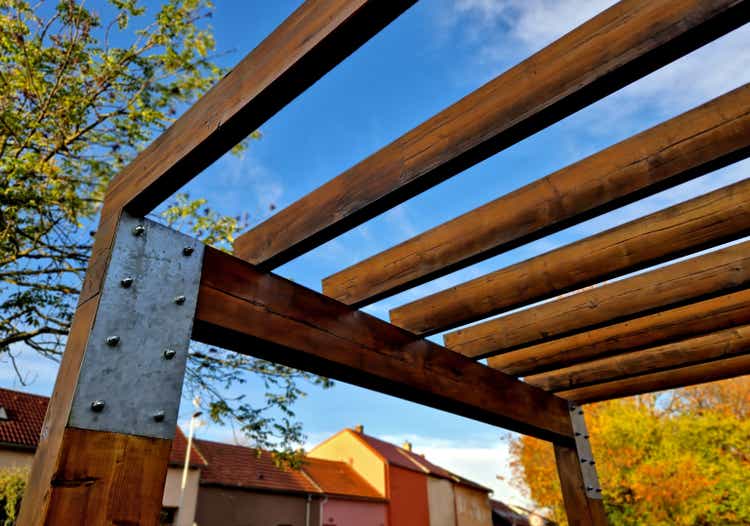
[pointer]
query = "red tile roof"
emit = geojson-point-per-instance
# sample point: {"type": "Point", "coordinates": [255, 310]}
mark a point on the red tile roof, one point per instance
{"type": "Point", "coordinates": [26, 416]}
{"type": "Point", "coordinates": [338, 478]}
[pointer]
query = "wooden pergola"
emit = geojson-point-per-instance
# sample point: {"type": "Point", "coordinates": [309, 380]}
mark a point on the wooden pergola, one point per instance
{"type": "Point", "coordinates": [104, 448]}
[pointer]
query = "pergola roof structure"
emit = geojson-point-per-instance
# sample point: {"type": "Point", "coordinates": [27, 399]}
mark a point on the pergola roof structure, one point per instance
{"type": "Point", "coordinates": [682, 323]}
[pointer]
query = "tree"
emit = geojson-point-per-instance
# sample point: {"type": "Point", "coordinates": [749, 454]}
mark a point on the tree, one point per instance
{"type": "Point", "coordinates": [679, 458]}
{"type": "Point", "coordinates": [82, 93]}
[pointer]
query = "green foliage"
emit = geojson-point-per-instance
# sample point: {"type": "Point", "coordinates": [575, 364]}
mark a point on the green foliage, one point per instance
{"type": "Point", "coordinates": [12, 485]}
{"type": "Point", "coordinates": [80, 95]}
{"type": "Point", "coordinates": [678, 459]}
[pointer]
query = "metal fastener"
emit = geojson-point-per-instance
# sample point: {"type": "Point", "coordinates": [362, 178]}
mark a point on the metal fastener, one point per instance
{"type": "Point", "coordinates": [112, 341]}
{"type": "Point", "coordinates": [138, 230]}
{"type": "Point", "coordinates": [188, 251]}
{"type": "Point", "coordinates": [169, 353]}
{"type": "Point", "coordinates": [97, 406]}
{"type": "Point", "coordinates": [159, 416]}
{"type": "Point", "coordinates": [126, 282]}
{"type": "Point", "coordinates": [598, 490]}
{"type": "Point", "coordinates": [589, 488]}
{"type": "Point", "coordinates": [583, 461]}
{"type": "Point", "coordinates": [179, 300]}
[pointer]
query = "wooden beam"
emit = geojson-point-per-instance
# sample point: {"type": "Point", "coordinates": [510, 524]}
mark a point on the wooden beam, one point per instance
{"type": "Point", "coordinates": [648, 383]}
{"type": "Point", "coordinates": [579, 508]}
{"type": "Point", "coordinates": [618, 46]}
{"type": "Point", "coordinates": [253, 312]}
{"type": "Point", "coordinates": [680, 323]}
{"type": "Point", "coordinates": [711, 274]}
{"type": "Point", "coordinates": [308, 44]}
{"type": "Point", "coordinates": [703, 222]}
{"type": "Point", "coordinates": [714, 346]}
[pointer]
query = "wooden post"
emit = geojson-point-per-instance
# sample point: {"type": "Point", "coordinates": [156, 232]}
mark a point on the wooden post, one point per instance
{"type": "Point", "coordinates": [578, 479]}
{"type": "Point", "coordinates": [106, 439]}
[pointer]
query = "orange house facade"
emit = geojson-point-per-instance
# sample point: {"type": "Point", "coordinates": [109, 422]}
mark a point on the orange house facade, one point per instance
{"type": "Point", "coordinates": [418, 492]}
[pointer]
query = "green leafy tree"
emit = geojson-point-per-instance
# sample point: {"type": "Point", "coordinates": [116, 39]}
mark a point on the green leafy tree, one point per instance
{"type": "Point", "coordinates": [81, 92]}
{"type": "Point", "coordinates": [681, 458]}
{"type": "Point", "coordinates": [12, 485]}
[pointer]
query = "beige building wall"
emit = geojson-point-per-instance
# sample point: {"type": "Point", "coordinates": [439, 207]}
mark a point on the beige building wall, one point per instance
{"type": "Point", "coordinates": [186, 515]}
{"type": "Point", "coordinates": [346, 447]}
{"type": "Point", "coordinates": [12, 458]}
{"type": "Point", "coordinates": [472, 507]}
{"type": "Point", "coordinates": [441, 502]}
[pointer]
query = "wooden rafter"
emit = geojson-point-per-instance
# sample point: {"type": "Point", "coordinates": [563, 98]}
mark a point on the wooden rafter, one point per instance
{"type": "Point", "coordinates": [703, 222]}
{"type": "Point", "coordinates": [711, 274]}
{"type": "Point", "coordinates": [620, 45]}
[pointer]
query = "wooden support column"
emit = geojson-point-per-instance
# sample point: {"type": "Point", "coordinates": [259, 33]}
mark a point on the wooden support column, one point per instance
{"type": "Point", "coordinates": [579, 482]}
{"type": "Point", "coordinates": [104, 447]}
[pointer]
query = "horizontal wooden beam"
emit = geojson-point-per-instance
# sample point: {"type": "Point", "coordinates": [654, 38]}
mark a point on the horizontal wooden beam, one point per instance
{"type": "Point", "coordinates": [680, 323]}
{"type": "Point", "coordinates": [703, 222]}
{"type": "Point", "coordinates": [648, 383]}
{"type": "Point", "coordinates": [714, 346]}
{"type": "Point", "coordinates": [618, 46]}
{"type": "Point", "coordinates": [711, 274]}
{"type": "Point", "coordinates": [316, 37]}
{"type": "Point", "coordinates": [253, 312]}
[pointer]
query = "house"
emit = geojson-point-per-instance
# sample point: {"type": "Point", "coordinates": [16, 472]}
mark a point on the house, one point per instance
{"type": "Point", "coordinates": [506, 515]}
{"type": "Point", "coordinates": [21, 419]}
{"type": "Point", "coordinates": [419, 493]}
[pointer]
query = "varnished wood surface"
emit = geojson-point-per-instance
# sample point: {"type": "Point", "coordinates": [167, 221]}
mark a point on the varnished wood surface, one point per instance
{"type": "Point", "coordinates": [258, 313]}
{"type": "Point", "coordinates": [700, 277]}
{"type": "Point", "coordinates": [616, 47]}
{"type": "Point", "coordinates": [700, 223]}
{"type": "Point", "coordinates": [580, 510]}
{"type": "Point", "coordinates": [680, 323]}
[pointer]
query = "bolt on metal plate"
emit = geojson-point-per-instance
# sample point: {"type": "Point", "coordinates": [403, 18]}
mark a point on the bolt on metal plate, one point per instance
{"type": "Point", "coordinates": [585, 455]}
{"type": "Point", "coordinates": [130, 387]}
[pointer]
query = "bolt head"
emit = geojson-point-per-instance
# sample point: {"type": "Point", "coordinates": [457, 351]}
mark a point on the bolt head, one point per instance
{"type": "Point", "coordinates": [179, 300]}
{"type": "Point", "coordinates": [169, 353]}
{"type": "Point", "coordinates": [126, 282]}
{"type": "Point", "coordinates": [598, 490]}
{"type": "Point", "coordinates": [97, 406]}
{"type": "Point", "coordinates": [113, 341]}
{"type": "Point", "coordinates": [138, 230]}
{"type": "Point", "coordinates": [188, 251]}
{"type": "Point", "coordinates": [159, 416]}
{"type": "Point", "coordinates": [583, 461]}
{"type": "Point", "coordinates": [589, 488]}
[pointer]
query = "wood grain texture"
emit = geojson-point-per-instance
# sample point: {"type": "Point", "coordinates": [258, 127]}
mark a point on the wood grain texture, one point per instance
{"type": "Point", "coordinates": [579, 509]}
{"type": "Point", "coordinates": [316, 37]}
{"type": "Point", "coordinates": [257, 313]}
{"type": "Point", "coordinates": [703, 222]}
{"type": "Point", "coordinates": [700, 277]}
{"type": "Point", "coordinates": [672, 379]}
{"type": "Point", "coordinates": [715, 346]}
{"type": "Point", "coordinates": [680, 323]}
{"type": "Point", "coordinates": [618, 46]}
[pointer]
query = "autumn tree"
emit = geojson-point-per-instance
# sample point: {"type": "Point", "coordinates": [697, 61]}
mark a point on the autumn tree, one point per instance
{"type": "Point", "coordinates": [678, 458]}
{"type": "Point", "coordinates": [82, 91]}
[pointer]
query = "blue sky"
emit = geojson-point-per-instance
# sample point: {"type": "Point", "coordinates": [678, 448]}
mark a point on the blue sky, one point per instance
{"type": "Point", "coordinates": [436, 53]}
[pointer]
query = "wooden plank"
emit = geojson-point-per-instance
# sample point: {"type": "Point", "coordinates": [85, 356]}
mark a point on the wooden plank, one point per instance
{"type": "Point", "coordinates": [308, 44]}
{"type": "Point", "coordinates": [712, 274]}
{"type": "Point", "coordinates": [250, 311]}
{"type": "Point", "coordinates": [648, 383]}
{"type": "Point", "coordinates": [579, 508]}
{"type": "Point", "coordinates": [620, 45]}
{"type": "Point", "coordinates": [687, 146]}
{"type": "Point", "coordinates": [703, 222]}
{"type": "Point", "coordinates": [714, 346]}
{"type": "Point", "coordinates": [684, 322]}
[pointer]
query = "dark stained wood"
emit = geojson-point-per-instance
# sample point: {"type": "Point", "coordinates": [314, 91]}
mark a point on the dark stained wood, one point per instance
{"type": "Point", "coordinates": [715, 346]}
{"type": "Point", "coordinates": [648, 383]}
{"type": "Point", "coordinates": [703, 222]}
{"type": "Point", "coordinates": [700, 277]}
{"type": "Point", "coordinates": [681, 323]}
{"type": "Point", "coordinates": [316, 37]}
{"type": "Point", "coordinates": [257, 313]}
{"type": "Point", "coordinates": [618, 46]}
{"type": "Point", "coordinates": [580, 510]}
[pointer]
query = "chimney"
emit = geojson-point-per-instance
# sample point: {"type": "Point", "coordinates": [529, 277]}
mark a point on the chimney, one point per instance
{"type": "Point", "coordinates": [407, 446]}
{"type": "Point", "coordinates": [359, 428]}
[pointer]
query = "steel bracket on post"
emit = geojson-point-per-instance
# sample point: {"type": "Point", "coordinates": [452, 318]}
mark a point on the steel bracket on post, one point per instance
{"type": "Point", "coordinates": [585, 455]}
{"type": "Point", "coordinates": [132, 372]}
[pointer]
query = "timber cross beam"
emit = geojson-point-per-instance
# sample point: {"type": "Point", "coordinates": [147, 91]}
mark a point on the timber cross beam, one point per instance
{"type": "Point", "coordinates": [149, 290]}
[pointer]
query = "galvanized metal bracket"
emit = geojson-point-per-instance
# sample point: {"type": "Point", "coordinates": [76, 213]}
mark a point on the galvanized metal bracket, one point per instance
{"type": "Point", "coordinates": [585, 455]}
{"type": "Point", "coordinates": [132, 372]}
